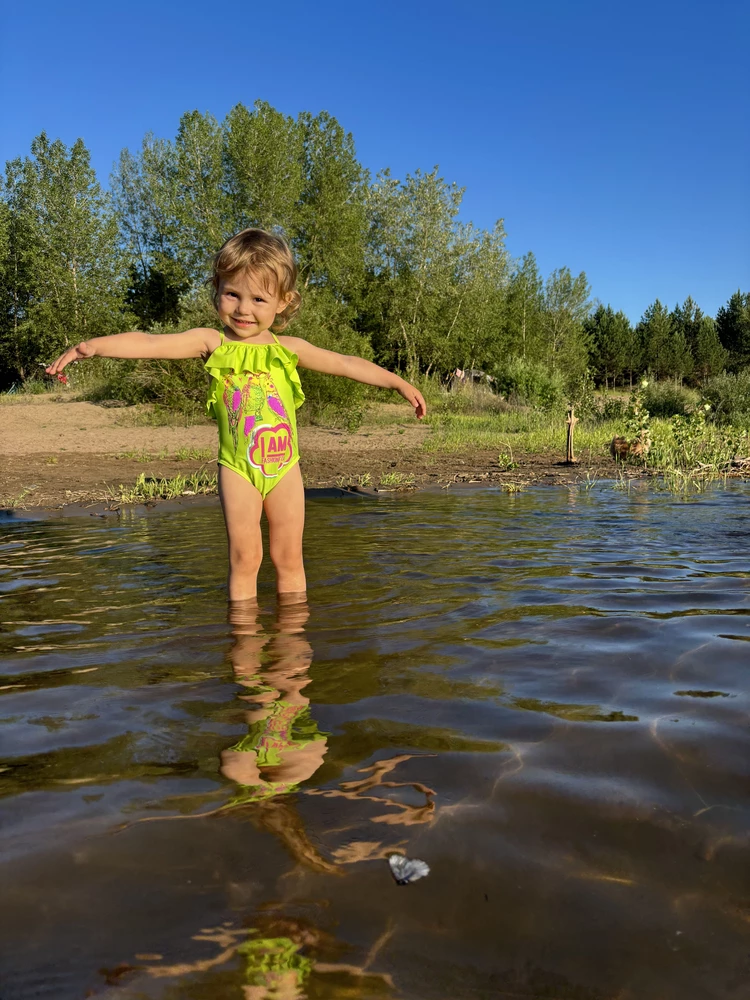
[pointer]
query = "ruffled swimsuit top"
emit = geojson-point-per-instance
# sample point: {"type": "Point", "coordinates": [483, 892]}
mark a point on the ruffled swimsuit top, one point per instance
{"type": "Point", "coordinates": [254, 392]}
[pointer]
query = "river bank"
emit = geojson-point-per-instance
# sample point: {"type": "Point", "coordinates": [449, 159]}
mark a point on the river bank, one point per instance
{"type": "Point", "coordinates": [56, 451]}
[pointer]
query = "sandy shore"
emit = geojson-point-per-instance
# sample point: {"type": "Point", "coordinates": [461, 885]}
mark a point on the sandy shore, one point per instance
{"type": "Point", "coordinates": [56, 451]}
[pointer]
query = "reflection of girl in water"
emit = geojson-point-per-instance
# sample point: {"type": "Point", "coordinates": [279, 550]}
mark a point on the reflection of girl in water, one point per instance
{"type": "Point", "coordinates": [283, 746]}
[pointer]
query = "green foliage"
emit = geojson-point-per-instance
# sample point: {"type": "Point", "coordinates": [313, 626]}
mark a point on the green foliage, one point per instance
{"type": "Point", "coordinates": [580, 393]}
{"type": "Point", "coordinates": [61, 275]}
{"type": "Point", "coordinates": [637, 415]}
{"type": "Point", "coordinates": [386, 268]}
{"type": "Point", "coordinates": [147, 488]}
{"type": "Point", "coordinates": [328, 399]}
{"type": "Point", "coordinates": [655, 330]}
{"type": "Point", "coordinates": [690, 443]}
{"type": "Point", "coordinates": [413, 255]}
{"type": "Point", "coordinates": [615, 347]}
{"type": "Point", "coordinates": [613, 408]}
{"type": "Point", "coordinates": [566, 307]}
{"type": "Point", "coordinates": [710, 357]}
{"type": "Point", "coordinates": [667, 399]}
{"type": "Point", "coordinates": [264, 177]}
{"type": "Point", "coordinates": [733, 328]}
{"type": "Point", "coordinates": [729, 396]}
{"type": "Point", "coordinates": [531, 383]}
{"type": "Point", "coordinates": [523, 310]}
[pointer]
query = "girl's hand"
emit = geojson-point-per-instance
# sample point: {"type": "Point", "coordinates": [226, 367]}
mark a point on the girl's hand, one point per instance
{"type": "Point", "coordinates": [77, 353]}
{"type": "Point", "coordinates": [415, 397]}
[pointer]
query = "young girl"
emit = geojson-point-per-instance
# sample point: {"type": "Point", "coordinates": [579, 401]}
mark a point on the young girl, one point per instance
{"type": "Point", "coordinates": [254, 392]}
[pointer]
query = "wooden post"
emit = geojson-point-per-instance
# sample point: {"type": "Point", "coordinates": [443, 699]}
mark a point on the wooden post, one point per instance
{"type": "Point", "coordinates": [571, 422]}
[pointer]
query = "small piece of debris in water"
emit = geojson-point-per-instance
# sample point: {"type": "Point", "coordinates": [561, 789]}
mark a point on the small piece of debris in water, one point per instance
{"type": "Point", "coordinates": [406, 870]}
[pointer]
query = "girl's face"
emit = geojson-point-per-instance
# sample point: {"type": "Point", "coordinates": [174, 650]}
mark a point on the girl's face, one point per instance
{"type": "Point", "coordinates": [246, 306]}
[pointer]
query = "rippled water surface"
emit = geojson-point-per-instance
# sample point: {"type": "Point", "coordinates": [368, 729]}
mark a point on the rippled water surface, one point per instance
{"type": "Point", "coordinates": [544, 696]}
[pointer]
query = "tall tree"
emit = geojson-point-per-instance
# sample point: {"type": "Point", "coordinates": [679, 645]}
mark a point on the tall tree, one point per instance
{"type": "Point", "coordinates": [201, 207]}
{"type": "Point", "coordinates": [414, 254]}
{"type": "Point", "coordinates": [331, 231]}
{"type": "Point", "coordinates": [264, 168]}
{"type": "Point", "coordinates": [71, 248]}
{"type": "Point", "coordinates": [477, 335]}
{"type": "Point", "coordinates": [611, 339]}
{"type": "Point", "coordinates": [733, 327]}
{"type": "Point", "coordinates": [710, 357]}
{"type": "Point", "coordinates": [681, 362]}
{"type": "Point", "coordinates": [656, 336]}
{"type": "Point", "coordinates": [145, 195]}
{"type": "Point", "coordinates": [566, 306]}
{"type": "Point", "coordinates": [687, 318]}
{"type": "Point", "coordinates": [523, 309]}
{"type": "Point", "coordinates": [20, 257]}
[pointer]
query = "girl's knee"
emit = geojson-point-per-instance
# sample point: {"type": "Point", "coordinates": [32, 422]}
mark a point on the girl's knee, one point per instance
{"type": "Point", "coordinates": [245, 558]}
{"type": "Point", "coordinates": [286, 558]}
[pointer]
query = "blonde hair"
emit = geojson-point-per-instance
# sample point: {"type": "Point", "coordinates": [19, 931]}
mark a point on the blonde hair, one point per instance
{"type": "Point", "coordinates": [266, 255]}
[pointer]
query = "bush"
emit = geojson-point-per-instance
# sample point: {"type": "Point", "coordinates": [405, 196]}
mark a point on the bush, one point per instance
{"type": "Point", "coordinates": [530, 383]}
{"type": "Point", "coordinates": [468, 398]}
{"type": "Point", "coordinates": [179, 385]}
{"type": "Point", "coordinates": [614, 408]}
{"type": "Point", "coordinates": [729, 395]}
{"type": "Point", "coordinates": [668, 399]}
{"type": "Point", "coordinates": [580, 394]}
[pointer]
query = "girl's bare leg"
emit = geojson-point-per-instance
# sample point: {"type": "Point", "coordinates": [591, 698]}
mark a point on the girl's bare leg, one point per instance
{"type": "Point", "coordinates": [242, 505]}
{"type": "Point", "coordinates": [285, 512]}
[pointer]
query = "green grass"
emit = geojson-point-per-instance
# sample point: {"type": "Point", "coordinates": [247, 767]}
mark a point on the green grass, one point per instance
{"type": "Point", "coordinates": [16, 501]}
{"type": "Point", "coordinates": [397, 479]}
{"type": "Point", "coordinates": [517, 432]}
{"type": "Point", "coordinates": [181, 455]}
{"type": "Point", "coordinates": [147, 488]}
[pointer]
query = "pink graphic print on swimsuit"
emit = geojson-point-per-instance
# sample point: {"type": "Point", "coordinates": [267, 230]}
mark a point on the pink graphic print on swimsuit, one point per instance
{"type": "Point", "coordinates": [247, 398]}
{"type": "Point", "coordinates": [270, 449]}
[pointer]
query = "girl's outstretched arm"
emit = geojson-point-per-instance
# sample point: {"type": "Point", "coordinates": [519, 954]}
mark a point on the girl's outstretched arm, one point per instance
{"type": "Point", "coordinates": [190, 344]}
{"type": "Point", "coordinates": [359, 369]}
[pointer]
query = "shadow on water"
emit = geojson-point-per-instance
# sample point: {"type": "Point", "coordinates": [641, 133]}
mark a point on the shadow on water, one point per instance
{"type": "Point", "coordinates": [543, 695]}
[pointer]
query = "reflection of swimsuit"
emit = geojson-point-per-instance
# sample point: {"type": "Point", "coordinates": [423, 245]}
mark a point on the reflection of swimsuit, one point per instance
{"type": "Point", "coordinates": [271, 960]}
{"type": "Point", "coordinates": [286, 727]}
{"type": "Point", "coordinates": [254, 392]}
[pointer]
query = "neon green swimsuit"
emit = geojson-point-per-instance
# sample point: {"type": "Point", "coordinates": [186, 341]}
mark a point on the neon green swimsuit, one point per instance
{"type": "Point", "coordinates": [254, 392]}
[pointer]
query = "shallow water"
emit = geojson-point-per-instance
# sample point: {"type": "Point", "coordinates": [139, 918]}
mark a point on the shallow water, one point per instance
{"type": "Point", "coordinates": [544, 696]}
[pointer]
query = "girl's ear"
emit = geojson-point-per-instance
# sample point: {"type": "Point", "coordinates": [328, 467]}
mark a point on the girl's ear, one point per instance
{"type": "Point", "coordinates": [284, 302]}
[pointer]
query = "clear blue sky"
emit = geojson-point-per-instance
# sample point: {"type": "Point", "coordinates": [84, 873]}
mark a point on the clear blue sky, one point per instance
{"type": "Point", "coordinates": [612, 137]}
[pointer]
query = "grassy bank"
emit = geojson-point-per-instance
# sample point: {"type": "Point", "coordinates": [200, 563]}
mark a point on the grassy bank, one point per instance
{"type": "Point", "coordinates": [473, 433]}
{"type": "Point", "coordinates": [518, 432]}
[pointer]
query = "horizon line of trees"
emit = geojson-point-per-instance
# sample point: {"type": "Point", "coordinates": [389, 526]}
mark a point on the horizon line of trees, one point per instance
{"type": "Point", "coordinates": [387, 269]}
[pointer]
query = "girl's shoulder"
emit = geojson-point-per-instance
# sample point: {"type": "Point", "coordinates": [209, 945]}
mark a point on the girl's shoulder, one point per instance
{"type": "Point", "coordinates": [204, 340]}
{"type": "Point", "coordinates": [211, 337]}
{"type": "Point", "coordinates": [292, 344]}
